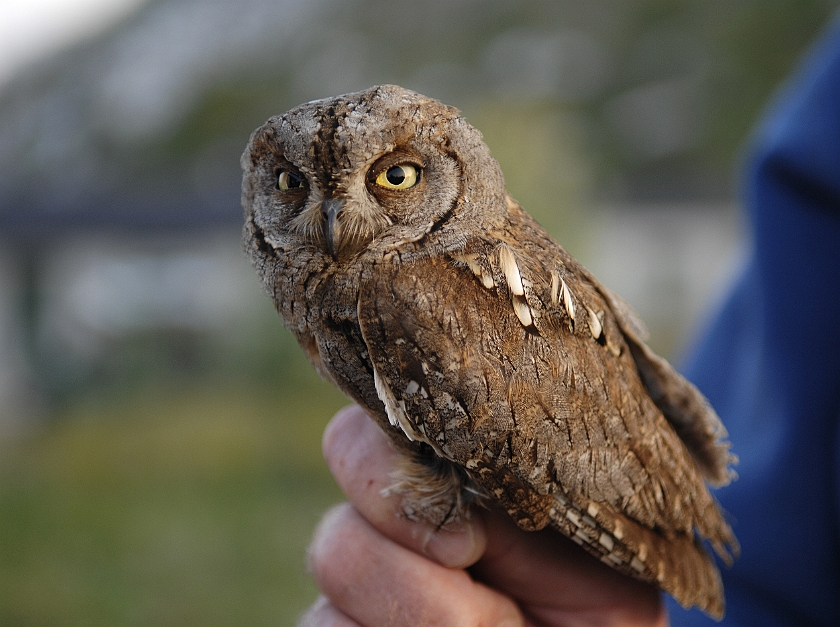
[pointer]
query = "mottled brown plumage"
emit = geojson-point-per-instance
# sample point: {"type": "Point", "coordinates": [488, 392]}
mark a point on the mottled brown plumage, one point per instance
{"type": "Point", "coordinates": [501, 368]}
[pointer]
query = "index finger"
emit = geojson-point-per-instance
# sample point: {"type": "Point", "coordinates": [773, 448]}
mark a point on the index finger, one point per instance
{"type": "Point", "coordinates": [362, 462]}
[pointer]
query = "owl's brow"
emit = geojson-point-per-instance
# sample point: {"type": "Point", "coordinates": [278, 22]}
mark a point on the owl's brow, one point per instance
{"type": "Point", "coordinates": [328, 154]}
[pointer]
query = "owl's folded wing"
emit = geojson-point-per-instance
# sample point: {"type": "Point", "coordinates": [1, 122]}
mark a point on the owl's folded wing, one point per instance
{"type": "Point", "coordinates": [546, 413]}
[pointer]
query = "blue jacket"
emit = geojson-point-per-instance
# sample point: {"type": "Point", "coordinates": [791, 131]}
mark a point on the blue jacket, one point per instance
{"type": "Point", "coordinates": [770, 363]}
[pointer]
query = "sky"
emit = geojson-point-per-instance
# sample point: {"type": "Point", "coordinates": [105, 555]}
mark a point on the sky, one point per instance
{"type": "Point", "coordinates": [33, 29]}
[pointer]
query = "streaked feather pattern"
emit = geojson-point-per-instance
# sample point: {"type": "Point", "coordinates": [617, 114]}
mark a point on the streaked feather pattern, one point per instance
{"type": "Point", "coordinates": [497, 364]}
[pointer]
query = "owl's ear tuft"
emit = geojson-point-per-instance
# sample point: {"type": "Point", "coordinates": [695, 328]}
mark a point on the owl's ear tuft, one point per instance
{"type": "Point", "coordinates": [262, 147]}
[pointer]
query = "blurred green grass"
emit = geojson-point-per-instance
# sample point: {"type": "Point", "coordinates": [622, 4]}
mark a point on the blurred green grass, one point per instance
{"type": "Point", "coordinates": [180, 505]}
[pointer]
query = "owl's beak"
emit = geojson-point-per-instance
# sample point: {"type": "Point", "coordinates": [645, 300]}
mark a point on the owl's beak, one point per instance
{"type": "Point", "coordinates": [331, 208]}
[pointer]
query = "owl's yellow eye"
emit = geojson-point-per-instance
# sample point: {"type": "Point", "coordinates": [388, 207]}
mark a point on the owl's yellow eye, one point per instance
{"type": "Point", "coordinates": [288, 180]}
{"type": "Point", "coordinates": [401, 176]}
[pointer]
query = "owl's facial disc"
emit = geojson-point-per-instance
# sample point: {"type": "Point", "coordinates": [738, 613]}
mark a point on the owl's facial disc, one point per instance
{"type": "Point", "coordinates": [325, 184]}
{"type": "Point", "coordinates": [353, 210]}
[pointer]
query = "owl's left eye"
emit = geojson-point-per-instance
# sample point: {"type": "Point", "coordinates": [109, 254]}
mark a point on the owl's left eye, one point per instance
{"type": "Point", "coordinates": [400, 176]}
{"type": "Point", "coordinates": [288, 180]}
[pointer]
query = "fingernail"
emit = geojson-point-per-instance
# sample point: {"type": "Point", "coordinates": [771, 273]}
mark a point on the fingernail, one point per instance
{"type": "Point", "coordinates": [454, 548]}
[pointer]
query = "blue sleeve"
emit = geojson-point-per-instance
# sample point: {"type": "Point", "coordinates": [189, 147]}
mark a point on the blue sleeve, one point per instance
{"type": "Point", "coordinates": [770, 364]}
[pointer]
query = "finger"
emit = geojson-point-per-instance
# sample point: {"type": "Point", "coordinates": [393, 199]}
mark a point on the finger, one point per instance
{"type": "Point", "coordinates": [375, 581]}
{"type": "Point", "coordinates": [362, 462]}
{"type": "Point", "coordinates": [555, 579]}
{"type": "Point", "coordinates": [324, 614]}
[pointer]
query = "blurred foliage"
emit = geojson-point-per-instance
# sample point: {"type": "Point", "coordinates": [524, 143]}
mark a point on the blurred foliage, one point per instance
{"type": "Point", "coordinates": [187, 506]}
{"type": "Point", "coordinates": [178, 476]}
{"type": "Point", "coordinates": [717, 52]}
{"type": "Point", "coordinates": [661, 93]}
{"type": "Point", "coordinates": [541, 153]}
{"type": "Point", "coordinates": [176, 482]}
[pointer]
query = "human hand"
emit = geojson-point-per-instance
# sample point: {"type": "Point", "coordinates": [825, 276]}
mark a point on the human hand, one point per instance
{"type": "Point", "coordinates": [375, 567]}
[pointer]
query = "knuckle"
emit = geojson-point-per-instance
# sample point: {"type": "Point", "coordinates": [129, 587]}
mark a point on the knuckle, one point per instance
{"type": "Point", "coordinates": [328, 548]}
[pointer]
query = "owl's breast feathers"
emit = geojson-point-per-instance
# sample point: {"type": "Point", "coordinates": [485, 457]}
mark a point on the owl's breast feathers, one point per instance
{"type": "Point", "coordinates": [509, 359]}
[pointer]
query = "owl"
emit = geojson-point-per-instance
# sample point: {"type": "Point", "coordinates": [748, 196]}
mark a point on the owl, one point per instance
{"type": "Point", "coordinates": [497, 365]}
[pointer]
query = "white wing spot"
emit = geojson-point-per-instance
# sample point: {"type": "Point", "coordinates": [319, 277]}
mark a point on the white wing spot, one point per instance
{"type": "Point", "coordinates": [637, 565]}
{"type": "Point", "coordinates": [397, 415]}
{"type": "Point", "coordinates": [568, 302]}
{"type": "Point", "coordinates": [472, 261]}
{"type": "Point", "coordinates": [593, 509]}
{"type": "Point", "coordinates": [516, 285]}
{"type": "Point", "coordinates": [411, 388]}
{"type": "Point", "coordinates": [594, 324]}
{"type": "Point", "coordinates": [522, 311]}
{"type": "Point", "coordinates": [511, 270]}
{"type": "Point", "coordinates": [487, 280]}
{"type": "Point", "coordinates": [606, 541]}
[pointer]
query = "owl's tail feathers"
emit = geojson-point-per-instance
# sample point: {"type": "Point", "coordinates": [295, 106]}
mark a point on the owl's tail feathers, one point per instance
{"type": "Point", "coordinates": [677, 562]}
{"type": "Point", "coordinates": [694, 580]}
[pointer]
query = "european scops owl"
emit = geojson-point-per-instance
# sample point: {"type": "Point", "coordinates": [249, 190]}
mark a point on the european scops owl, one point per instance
{"type": "Point", "coordinates": [496, 363]}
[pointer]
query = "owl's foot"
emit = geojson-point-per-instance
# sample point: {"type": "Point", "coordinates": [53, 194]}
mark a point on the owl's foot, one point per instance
{"type": "Point", "coordinates": [434, 490]}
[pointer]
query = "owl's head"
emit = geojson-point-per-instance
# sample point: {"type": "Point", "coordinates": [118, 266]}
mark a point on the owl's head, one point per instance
{"type": "Point", "coordinates": [334, 175]}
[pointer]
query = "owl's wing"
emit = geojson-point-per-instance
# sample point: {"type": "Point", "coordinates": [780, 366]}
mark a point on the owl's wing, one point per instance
{"type": "Point", "coordinates": [685, 407]}
{"type": "Point", "coordinates": [506, 361]}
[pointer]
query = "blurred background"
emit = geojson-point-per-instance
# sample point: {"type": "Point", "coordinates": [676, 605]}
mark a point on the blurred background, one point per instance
{"type": "Point", "coordinates": [159, 429]}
